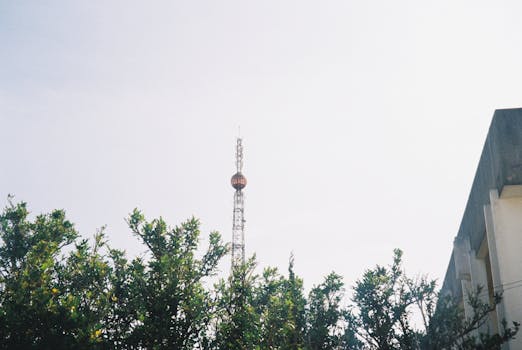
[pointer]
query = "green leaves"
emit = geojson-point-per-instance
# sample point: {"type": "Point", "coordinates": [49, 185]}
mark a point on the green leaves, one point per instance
{"type": "Point", "coordinates": [93, 296]}
{"type": "Point", "coordinates": [450, 328]}
{"type": "Point", "coordinates": [174, 308]}
{"type": "Point", "coordinates": [384, 298]}
{"type": "Point", "coordinates": [326, 314]}
{"type": "Point", "coordinates": [60, 291]}
{"type": "Point", "coordinates": [264, 311]}
{"type": "Point", "coordinates": [40, 301]}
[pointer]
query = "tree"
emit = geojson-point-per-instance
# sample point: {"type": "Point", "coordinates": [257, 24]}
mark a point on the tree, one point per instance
{"type": "Point", "coordinates": [281, 305]}
{"type": "Point", "coordinates": [295, 302]}
{"type": "Point", "coordinates": [385, 300]}
{"type": "Point", "coordinates": [46, 299]}
{"type": "Point", "coordinates": [329, 325]}
{"type": "Point", "coordinates": [174, 309]}
{"type": "Point", "coordinates": [92, 296]}
{"type": "Point", "coordinates": [237, 326]}
{"type": "Point", "coordinates": [451, 329]}
{"type": "Point", "coordinates": [60, 291]}
{"type": "Point", "coordinates": [260, 312]}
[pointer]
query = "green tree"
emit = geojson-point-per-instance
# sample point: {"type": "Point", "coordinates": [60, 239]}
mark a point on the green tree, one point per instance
{"type": "Point", "coordinates": [449, 328]}
{"type": "Point", "coordinates": [260, 312]}
{"type": "Point", "coordinates": [46, 299]}
{"type": "Point", "coordinates": [295, 303]}
{"type": "Point", "coordinates": [91, 296]}
{"type": "Point", "coordinates": [269, 304]}
{"type": "Point", "coordinates": [60, 291]}
{"type": "Point", "coordinates": [385, 300]}
{"type": "Point", "coordinates": [237, 326]}
{"type": "Point", "coordinates": [281, 305]}
{"type": "Point", "coordinates": [328, 322]}
{"type": "Point", "coordinates": [174, 309]}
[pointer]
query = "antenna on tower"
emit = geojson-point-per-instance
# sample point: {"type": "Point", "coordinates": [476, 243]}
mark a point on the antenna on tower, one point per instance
{"type": "Point", "coordinates": [238, 222]}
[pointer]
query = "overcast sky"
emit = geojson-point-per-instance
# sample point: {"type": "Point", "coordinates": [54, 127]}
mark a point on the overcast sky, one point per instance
{"type": "Point", "coordinates": [363, 121]}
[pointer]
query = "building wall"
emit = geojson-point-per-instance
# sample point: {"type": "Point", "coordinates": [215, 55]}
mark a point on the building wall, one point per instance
{"type": "Point", "coordinates": [487, 250]}
{"type": "Point", "coordinates": [496, 265]}
{"type": "Point", "coordinates": [506, 216]}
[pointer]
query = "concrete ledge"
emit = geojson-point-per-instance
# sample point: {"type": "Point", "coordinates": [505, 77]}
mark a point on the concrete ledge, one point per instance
{"type": "Point", "coordinates": [500, 165]}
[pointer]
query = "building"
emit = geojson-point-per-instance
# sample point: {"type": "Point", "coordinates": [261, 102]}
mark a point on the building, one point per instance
{"type": "Point", "coordinates": [488, 248]}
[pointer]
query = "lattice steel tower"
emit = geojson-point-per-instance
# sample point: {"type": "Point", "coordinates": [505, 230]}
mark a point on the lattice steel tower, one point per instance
{"type": "Point", "coordinates": [238, 222]}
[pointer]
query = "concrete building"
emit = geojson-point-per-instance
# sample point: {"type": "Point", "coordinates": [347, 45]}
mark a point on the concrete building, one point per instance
{"type": "Point", "coordinates": [488, 248]}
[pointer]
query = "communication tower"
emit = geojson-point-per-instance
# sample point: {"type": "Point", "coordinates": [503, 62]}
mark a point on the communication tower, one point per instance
{"type": "Point", "coordinates": [238, 222]}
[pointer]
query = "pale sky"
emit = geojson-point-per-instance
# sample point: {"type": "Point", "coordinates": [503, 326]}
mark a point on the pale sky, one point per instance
{"type": "Point", "coordinates": [363, 121]}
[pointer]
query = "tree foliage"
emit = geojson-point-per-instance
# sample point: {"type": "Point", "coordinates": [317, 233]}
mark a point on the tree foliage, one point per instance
{"type": "Point", "coordinates": [174, 309]}
{"type": "Point", "coordinates": [92, 296]}
{"type": "Point", "coordinates": [451, 329]}
{"type": "Point", "coordinates": [385, 300]}
{"type": "Point", "coordinates": [48, 300]}
{"type": "Point", "coordinates": [60, 291]}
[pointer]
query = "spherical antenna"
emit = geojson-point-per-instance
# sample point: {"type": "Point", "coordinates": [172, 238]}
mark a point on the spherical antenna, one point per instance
{"type": "Point", "coordinates": [238, 181]}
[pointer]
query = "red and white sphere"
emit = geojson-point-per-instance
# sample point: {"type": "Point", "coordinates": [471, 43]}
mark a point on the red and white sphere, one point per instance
{"type": "Point", "coordinates": [238, 181]}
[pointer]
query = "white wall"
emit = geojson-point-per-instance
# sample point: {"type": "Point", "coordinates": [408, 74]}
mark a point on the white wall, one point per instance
{"type": "Point", "coordinates": [506, 217]}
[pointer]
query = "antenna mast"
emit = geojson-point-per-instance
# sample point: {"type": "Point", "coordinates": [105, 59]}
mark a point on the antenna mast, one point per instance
{"type": "Point", "coordinates": [238, 222]}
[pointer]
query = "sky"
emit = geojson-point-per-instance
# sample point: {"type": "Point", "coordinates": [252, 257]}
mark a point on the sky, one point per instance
{"type": "Point", "coordinates": [362, 121]}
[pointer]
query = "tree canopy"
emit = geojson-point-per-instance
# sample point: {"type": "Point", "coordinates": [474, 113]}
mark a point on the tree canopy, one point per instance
{"type": "Point", "coordinates": [61, 291]}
